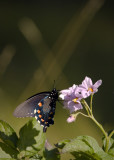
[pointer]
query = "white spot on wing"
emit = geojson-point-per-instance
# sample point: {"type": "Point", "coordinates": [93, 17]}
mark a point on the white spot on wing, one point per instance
{"type": "Point", "coordinates": [36, 117]}
{"type": "Point", "coordinates": [34, 111]}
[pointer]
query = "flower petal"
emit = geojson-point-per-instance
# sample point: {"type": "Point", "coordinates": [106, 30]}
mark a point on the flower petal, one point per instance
{"type": "Point", "coordinates": [88, 81]}
{"type": "Point", "coordinates": [77, 106]}
{"type": "Point", "coordinates": [87, 87]}
{"type": "Point", "coordinates": [62, 96]}
{"type": "Point", "coordinates": [98, 83]}
{"type": "Point", "coordinates": [71, 118]}
{"type": "Point", "coordinates": [64, 93]}
{"type": "Point", "coordinates": [85, 94]}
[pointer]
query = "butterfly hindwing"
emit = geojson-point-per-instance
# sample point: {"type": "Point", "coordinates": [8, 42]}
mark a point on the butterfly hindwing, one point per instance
{"type": "Point", "coordinates": [44, 112]}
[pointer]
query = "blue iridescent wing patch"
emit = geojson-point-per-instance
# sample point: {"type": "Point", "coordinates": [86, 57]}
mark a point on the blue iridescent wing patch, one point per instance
{"type": "Point", "coordinates": [44, 112]}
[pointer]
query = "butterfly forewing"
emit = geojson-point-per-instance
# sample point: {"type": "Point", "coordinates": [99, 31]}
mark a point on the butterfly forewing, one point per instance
{"type": "Point", "coordinates": [26, 109]}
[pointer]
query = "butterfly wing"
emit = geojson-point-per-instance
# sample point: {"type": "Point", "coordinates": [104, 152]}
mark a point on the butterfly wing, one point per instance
{"type": "Point", "coordinates": [44, 112]}
{"type": "Point", "coordinates": [26, 109]}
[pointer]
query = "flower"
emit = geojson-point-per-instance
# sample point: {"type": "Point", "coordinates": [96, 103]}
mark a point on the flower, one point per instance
{"type": "Point", "coordinates": [71, 118]}
{"type": "Point", "coordinates": [87, 87]}
{"type": "Point", "coordinates": [71, 98]}
{"type": "Point", "coordinates": [74, 94]}
{"type": "Point", "coordinates": [66, 93]}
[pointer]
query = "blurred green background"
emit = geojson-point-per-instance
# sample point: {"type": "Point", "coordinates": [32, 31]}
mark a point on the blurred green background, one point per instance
{"type": "Point", "coordinates": [63, 41]}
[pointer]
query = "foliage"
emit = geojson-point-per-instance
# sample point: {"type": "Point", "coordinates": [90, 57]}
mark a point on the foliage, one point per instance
{"type": "Point", "coordinates": [30, 142]}
{"type": "Point", "coordinates": [32, 145]}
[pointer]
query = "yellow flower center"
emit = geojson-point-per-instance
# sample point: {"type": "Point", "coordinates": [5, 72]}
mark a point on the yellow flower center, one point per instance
{"type": "Point", "coordinates": [90, 89]}
{"type": "Point", "coordinates": [75, 100]}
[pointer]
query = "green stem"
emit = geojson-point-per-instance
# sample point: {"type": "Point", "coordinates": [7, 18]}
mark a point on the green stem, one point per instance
{"type": "Point", "coordinates": [77, 113]}
{"type": "Point", "coordinates": [82, 114]}
{"type": "Point", "coordinates": [86, 107]}
{"type": "Point", "coordinates": [110, 135]}
{"type": "Point", "coordinates": [107, 141]}
{"type": "Point", "coordinates": [103, 131]}
{"type": "Point", "coordinates": [91, 103]}
{"type": "Point", "coordinates": [89, 111]}
{"type": "Point", "coordinates": [99, 125]}
{"type": "Point", "coordinates": [90, 114]}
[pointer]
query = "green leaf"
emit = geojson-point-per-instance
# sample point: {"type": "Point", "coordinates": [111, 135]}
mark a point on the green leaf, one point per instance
{"type": "Point", "coordinates": [111, 144]}
{"type": "Point", "coordinates": [111, 151]}
{"type": "Point", "coordinates": [7, 159]}
{"type": "Point", "coordinates": [7, 152]}
{"type": "Point", "coordinates": [76, 146]}
{"type": "Point", "coordinates": [91, 142]}
{"type": "Point", "coordinates": [86, 147]}
{"type": "Point", "coordinates": [36, 157]}
{"type": "Point", "coordinates": [32, 139]}
{"type": "Point", "coordinates": [52, 154]}
{"type": "Point", "coordinates": [62, 143]}
{"type": "Point", "coordinates": [7, 134]}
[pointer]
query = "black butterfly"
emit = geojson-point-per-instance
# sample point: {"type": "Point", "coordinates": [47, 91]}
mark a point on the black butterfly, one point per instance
{"type": "Point", "coordinates": [41, 106]}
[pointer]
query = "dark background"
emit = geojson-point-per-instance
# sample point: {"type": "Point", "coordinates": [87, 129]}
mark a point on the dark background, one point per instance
{"type": "Point", "coordinates": [63, 41]}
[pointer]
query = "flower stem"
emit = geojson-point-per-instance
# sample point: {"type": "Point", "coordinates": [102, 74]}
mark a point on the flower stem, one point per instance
{"type": "Point", "coordinates": [110, 135]}
{"type": "Point", "coordinates": [90, 114]}
{"type": "Point", "coordinates": [103, 131]}
{"type": "Point", "coordinates": [99, 125]}
{"type": "Point", "coordinates": [91, 103]}
{"type": "Point", "coordinates": [82, 114]}
{"type": "Point", "coordinates": [86, 107]}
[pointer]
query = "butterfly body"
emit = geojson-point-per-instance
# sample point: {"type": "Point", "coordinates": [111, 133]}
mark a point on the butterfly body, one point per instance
{"type": "Point", "coordinates": [41, 106]}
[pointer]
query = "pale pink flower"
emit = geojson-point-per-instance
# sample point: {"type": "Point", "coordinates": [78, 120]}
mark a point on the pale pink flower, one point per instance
{"type": "Point", "coordinates": [71, 98]}
{"type": "Point", "coordinates": [71, 118]}
{"type": "Point", "coordinates": [87, 87]}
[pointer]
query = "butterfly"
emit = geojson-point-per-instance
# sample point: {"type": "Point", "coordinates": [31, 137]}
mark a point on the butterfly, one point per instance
{"type": "Point", "coordinates": [41, 106]}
